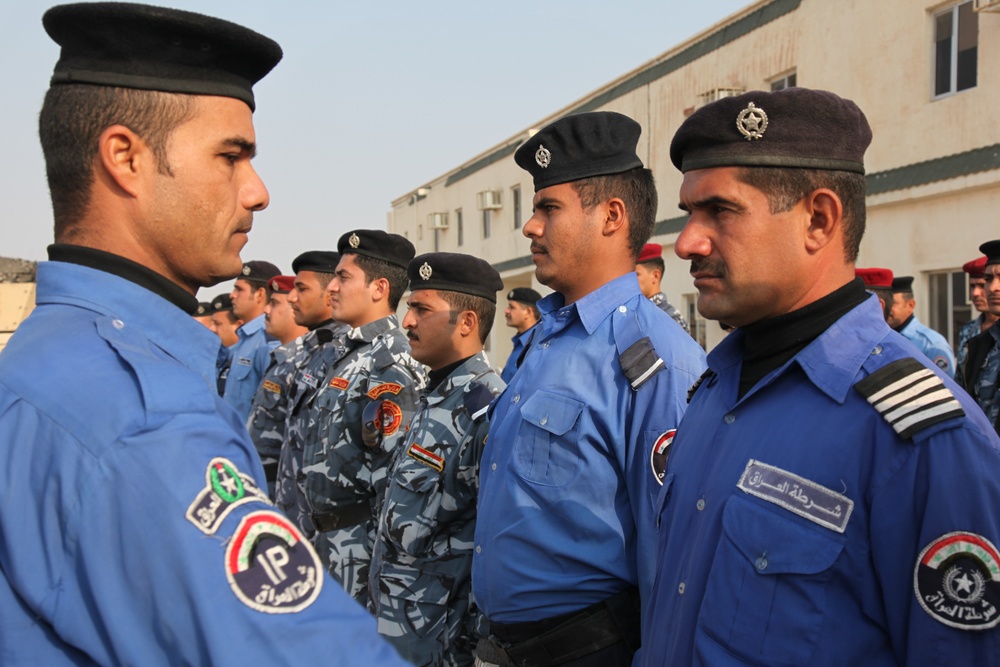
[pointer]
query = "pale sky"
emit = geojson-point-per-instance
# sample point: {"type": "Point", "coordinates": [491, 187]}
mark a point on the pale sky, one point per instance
{"type": "Point", "coordinates": [371, 100]}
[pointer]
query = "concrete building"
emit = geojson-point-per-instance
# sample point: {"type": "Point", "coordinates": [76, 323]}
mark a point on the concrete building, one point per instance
{"type": "Point", "coordinates": [17, 294]}
{"type": "Point", "coordinates": [924, 71]}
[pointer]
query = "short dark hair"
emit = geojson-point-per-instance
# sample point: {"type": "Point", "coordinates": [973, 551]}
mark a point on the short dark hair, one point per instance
{"type": "Point", "coordinates": [71, 122]}
{"type": "Point", "coordinates": [484, 309]}
{"type": "Point", "coordinates": [323, 279]}
{"type": "Point", "coordinates": [376, 268]}
{"type": "Point", "coordinates": [785, 187]}
{"type": "Point", "coordinates": [637, 188]}
{"type": "Point", "coordinates": [884, 293]}
{"type": "Point", "coordinates": [656, 263]}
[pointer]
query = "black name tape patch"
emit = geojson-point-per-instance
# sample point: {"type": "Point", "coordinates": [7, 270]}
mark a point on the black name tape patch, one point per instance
{"type": "Point", "coordinates": [957, 581]}
{"type": "Point", "coordinates": [797, 494]}
{"type": "Point", "coordinates": [270, 567]}
{"type": "Point", "coordinates": [225, 489]}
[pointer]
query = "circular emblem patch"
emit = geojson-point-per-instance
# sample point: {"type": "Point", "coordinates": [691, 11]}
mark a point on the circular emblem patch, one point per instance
{"type": "Point", "coordinates": [751, 122]}
{"type": "Point", "coordinates": [543, 157]}
{"type": "Point", "coordinates": [270, 567]}
{"type": "Point", "coordinates": [658, 457]}
{"type": "Point", "coordinates": [957, 581]}
{"type": "Point", "coordinates": [942, 362]}
{"type": "Point", "coordinates": [354, 241]}
{"type": "Point", "coordinates": [379, 419]}
{"type": "Point", "coordinates": [246, 270]}
{"type": "Point", "coordinates": [426, 271]}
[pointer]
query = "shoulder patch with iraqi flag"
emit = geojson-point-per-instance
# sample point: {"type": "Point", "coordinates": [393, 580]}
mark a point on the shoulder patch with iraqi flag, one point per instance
{"type": "Point", "coordinates": [426, 457]}
{"type": "Point", "coordinates": [226, 488]}
{"type": "Point", "coordinates": [957, 581]}
{"type": "Point", "coordinates": [270, 567]}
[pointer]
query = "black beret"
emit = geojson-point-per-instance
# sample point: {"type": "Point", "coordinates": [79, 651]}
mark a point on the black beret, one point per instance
{"type": "Point", "coordinates": [377, 244]}
{"type": "Point", "coordinates": [454, 272]}
{"type": "Point", "coordinates": [204, 308]}
{"type": "Point", "coordinates": [902, 284]}
{"type": "Point", "coordinates": [222, 303]}
{"type": "Point", "coordinates": [524, 295]}
{"type": "Point", "coordinates": [154, 48]}
{"type": "Point", "coordinates": [580, 146]}
{"type": "Point", "coordinates": [258, 271]}
{"type": "Point", "coordinates": [795, 127]}
{"type": "Point", "coordinates": [992, 251]}
{"type": "Point", "coordinates": [321, 261]}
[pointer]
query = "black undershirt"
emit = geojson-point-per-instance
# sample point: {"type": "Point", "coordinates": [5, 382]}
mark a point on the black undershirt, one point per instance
{"type": "Point", "coordinates": [903, 325]}
{"type": "Point", "coordinates": [434, 378]}
{"type": "Point", "coordinates": [770, 343]}
{"type": "Point", "coordinates": [127, 269]}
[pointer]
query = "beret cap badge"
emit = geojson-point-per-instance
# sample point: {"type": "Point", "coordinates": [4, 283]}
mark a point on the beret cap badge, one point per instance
{"type": "Point", "coordinates": [751, 122]}
{"type": "Point", "coordinates": [354, 241]}
{"type": "Point", "coordinates": [543, 157]}
{"type": "Point", "coordinates": [426, 271]}
{"type": "Point", "coordinates": [246, 270]}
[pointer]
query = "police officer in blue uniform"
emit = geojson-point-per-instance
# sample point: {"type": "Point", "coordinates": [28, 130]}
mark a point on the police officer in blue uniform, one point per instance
{"type": "Point", "coordinates": [565, 536]}
{"type": "Point", "coordinates": [522, 314]}
{"type": "Point", "coordinates": [831, 497]}
{"type": "Point", "coordinates": [133, 527]}
{"type": "Point", "coordinates": [901, 318]}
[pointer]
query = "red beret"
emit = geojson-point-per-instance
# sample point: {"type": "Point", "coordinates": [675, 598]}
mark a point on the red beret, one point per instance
{"type": "Point", "coordinates": [650, 251]}
{"type": "Point", "coordinates": [281, 284]}
{"type": "Point", "coordinates": [875, 277]}
{"type": "Point", "coordinates": [976, 268]}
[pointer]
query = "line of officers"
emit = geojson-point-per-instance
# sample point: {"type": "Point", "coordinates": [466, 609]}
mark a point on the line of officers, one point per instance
{"type": "Point", "coordinates": [814, 491]}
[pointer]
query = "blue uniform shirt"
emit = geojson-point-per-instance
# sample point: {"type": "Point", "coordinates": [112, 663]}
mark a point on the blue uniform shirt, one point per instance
{"type": "Point", "coordinates": [132, 527]}
{"type": "Point", "coordinates": [934, 346]}
{"type": "Point", "coordinates": [797, 527]}
{"type": "Point", "coordinates": [250, 357]}
{"type": "Point", "coordinates": [519, 341]}
{"type": "Point", "coordinates": [566, 484]}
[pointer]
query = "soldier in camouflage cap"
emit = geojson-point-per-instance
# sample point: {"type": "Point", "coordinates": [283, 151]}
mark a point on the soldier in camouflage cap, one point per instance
{"type": "Point", "coordinates": [344, 475]}
{"type": "Point", "coordinates": [314, 354]}
{"type": "Point", "coordinates": [420, 581]}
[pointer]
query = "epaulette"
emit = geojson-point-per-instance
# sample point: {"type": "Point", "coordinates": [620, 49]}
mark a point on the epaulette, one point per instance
{"type": "Point", "coordinates": [637, 356]}
{"type": "Point", "coordinates": [909, 396]}
{"type": "Point", "coordinates": [477, 400]}
{"type": "Point", "coordinates": [697, 383]}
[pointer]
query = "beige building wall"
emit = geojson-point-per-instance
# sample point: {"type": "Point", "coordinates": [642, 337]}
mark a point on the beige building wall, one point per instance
{"type": "Point", "coordinates": [17, 300]}
{"type": "Point", "coordinates": [933, 167]}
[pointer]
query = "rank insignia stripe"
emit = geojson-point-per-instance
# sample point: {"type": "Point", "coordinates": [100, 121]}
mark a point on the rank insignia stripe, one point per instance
{"type": "Point", "coordinates": [271, 386]}
{"type": "Point", "coordinates": [909, 396]}
{"type": "Point", "coordinates": [797, 494]}
{"type": "Point", "coordinates": [427, 458]}
{"type": "Point", "coordinates": [385, 388]}
{"type": "Point", "coordinates": [339, 383]}
{"type": "Point", "coordinates": [226, 488]}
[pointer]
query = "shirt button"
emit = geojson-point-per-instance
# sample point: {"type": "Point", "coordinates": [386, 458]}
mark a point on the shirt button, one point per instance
{"type": "Point", "coordinates": [680, 588]}
{"type": "Point", "coordinates": [517, 397]}
{"type": "Point", "coordinates": [729, 418]}
{"type": "Point", "coordinates": [700, 504]}
{"type": "Point", "coordinates": [117, 324]}
{"type": "Point", "coordinates": [479, 549]}
{"type": "Point", "coordinates": [877, 350]}
{"type": "Point", "coordinates": [761, 563]}
{"type": "Point", "coordinates": [622, 309]}
{"type": "Point", "coordinates": [544, 421]}
{"type": "Point", "coordinates": [545, 345]}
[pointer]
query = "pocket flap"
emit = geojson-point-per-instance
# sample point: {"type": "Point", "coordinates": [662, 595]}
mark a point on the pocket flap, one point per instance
{"type": "Point", "coordinates": [781, 544]}
{"type": "Point", "coordinates": [551, 412]}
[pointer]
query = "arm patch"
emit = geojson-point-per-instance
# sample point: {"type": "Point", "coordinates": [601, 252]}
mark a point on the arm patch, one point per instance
{"type": "Point", "coordinates": [909, 396]}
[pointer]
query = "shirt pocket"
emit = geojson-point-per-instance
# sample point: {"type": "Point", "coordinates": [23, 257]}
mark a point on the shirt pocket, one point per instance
{"type": "Point", "coordinates": [412, 506]}
{"type": "Point", "coordinates": [546, 450]}
{"type": "Point", "coordinates": [766, 595]}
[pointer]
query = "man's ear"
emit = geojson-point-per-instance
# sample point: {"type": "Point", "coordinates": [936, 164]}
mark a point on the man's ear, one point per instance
{"type": "Point", "coordinates": [614, 219]}
{"type": "Point", "coordinates": [379, 289]}
{"type": "Point", "coordinates": [124, 158]}
{"type": "Point", "coordinates": [468, 323]}
{"type": "Point", "coordinates": [826, 218]}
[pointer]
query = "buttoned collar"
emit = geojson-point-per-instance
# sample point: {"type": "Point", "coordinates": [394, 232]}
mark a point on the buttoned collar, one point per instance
{"type": "Point", "coordinates": [592, 309]}
{"type": "Point", "coordinates": [248, 329]}
{"type": "Point", "coordinates": [369, 332]}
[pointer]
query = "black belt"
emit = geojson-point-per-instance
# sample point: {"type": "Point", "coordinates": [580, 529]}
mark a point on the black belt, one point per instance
{"type": "Point", "coordinates": [343, 516]}
{"type": "Point", "coordinates": [582, 633]}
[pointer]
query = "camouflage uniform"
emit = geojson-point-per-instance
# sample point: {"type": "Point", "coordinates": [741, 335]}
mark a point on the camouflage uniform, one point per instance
{"type": "Point", "coordinates": [343, 477]}
{"type": "Point", "coordinates": [320, 349]}
{"type": "Point", "coordinates": [660, 299]}
{"type": "Point", "coordinates": [420, 579]}
{"type": "Point", "coordinates": [269, 410]}
{"type": "Point", "coordinates": [968, 330]}
{"type": "Point", "coordinates": [979, 376]}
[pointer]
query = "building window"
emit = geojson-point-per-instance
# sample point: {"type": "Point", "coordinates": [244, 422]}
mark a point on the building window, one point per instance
{"type": "Point", "coordinates": [515, 197]}
{"type": "Point", "coordinates": [956, 41]}
{"type": "Point", "coordinates": [784, 81]}
{"type": "Point", "coordinates": [459, 230]}
{"type": "Point", "coordinates": [486, 223]}
{"type": "Point", "coordinates": [696, 322]}
{"type": "Point", "coordinates": [949, 306]}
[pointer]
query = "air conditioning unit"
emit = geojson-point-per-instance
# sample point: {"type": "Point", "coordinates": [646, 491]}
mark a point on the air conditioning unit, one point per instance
{"type": "Point", "coordinates": [986, 6]}
{"type": "Point", "coordinates": [438, 220]}
{"type": "Point", "coordinates": [717, 94]}
{"type": "Point", "coordinates": [489, 200]}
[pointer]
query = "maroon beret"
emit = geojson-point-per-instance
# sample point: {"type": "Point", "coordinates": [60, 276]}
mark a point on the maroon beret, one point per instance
{"type": "Point", "coordinates": [875, 277]}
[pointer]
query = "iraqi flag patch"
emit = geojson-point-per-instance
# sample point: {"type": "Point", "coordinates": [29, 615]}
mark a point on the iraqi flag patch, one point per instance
{"type": "Point", "coordinates": [270, 567]}
{"type": "Point", "coordinates": [658, 455]}
{"type": "Point", "coordinates": [426, 457]}
{"type": "Point", "coordinates": [957, 581]}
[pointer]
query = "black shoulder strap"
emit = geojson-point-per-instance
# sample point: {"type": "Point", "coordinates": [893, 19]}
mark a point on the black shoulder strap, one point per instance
{"type": "Point", "coordinates": [909, 396]}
